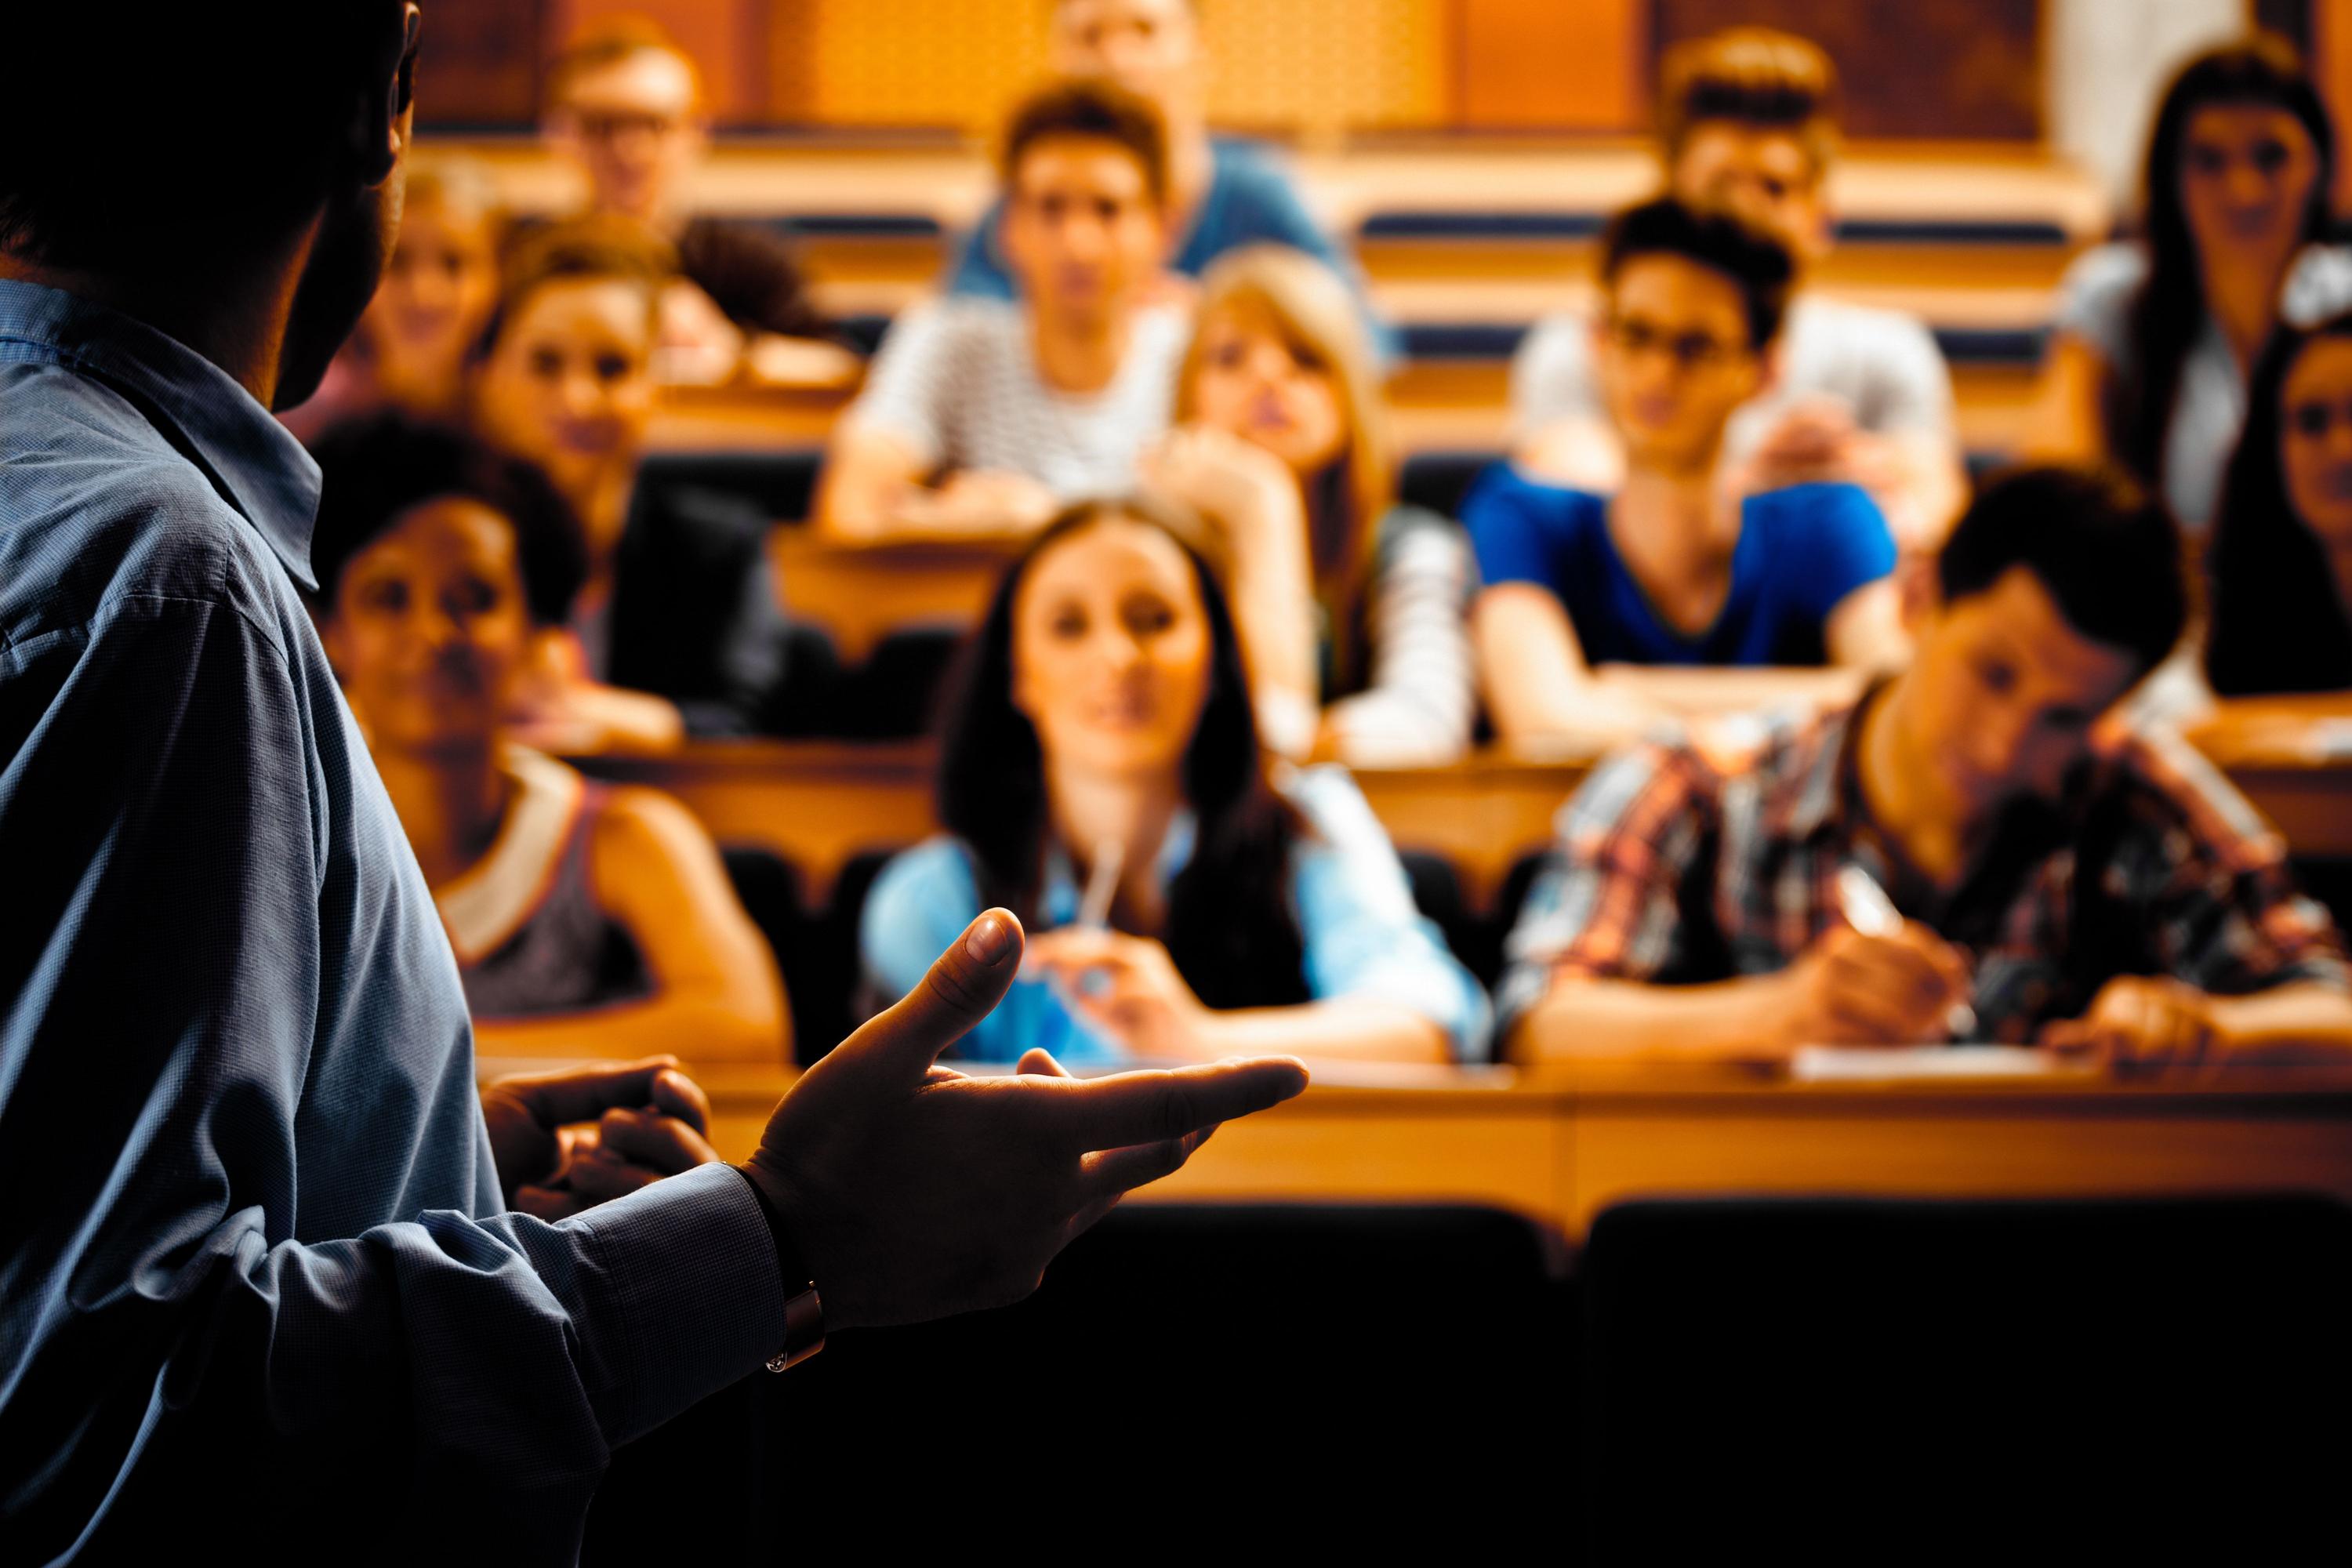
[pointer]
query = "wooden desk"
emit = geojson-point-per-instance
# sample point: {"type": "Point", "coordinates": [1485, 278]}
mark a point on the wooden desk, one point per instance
{"type": "Point", "coordinates": [861, 592]}
{"type": "Point", "coordinates": [1562, 1146]}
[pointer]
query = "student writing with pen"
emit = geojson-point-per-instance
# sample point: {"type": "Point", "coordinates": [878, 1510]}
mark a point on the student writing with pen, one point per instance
{"type": "Point", "coordinates": [2069, 882]}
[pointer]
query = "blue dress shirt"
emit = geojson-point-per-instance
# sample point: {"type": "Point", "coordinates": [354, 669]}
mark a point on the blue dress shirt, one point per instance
{"type": "Point", "coordinates": [253, 1270]}
{"type": "Point", "coordinates": [1363, 938]}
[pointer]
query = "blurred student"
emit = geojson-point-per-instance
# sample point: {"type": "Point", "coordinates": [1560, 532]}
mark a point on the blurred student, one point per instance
{"type": "Point", "coordinates": [1748, 123]}
{"type": "Point", "coordinates": [1678, 567]}
{"type": "Point", "coordinates": [984, 414]}
{"type": "Point", "coordinates": [588, 919]}
{"type": "Point", "coordinates": [2279, 604]}
{"type": "Point", "coordinates": [626, 103]}
{"type": "Point", "coordinates": [1104, 755]}
{"type": "Point", "coordinates": [677, 629]}
{"type": "Point", "coordinates": [1222, 193]}
{"type": "Point", "coordinates": [2067, 881]}
{"type": "Point", "coordinates": [2155, 335]}
{"type": "Point", "coordinates": [1349, 605]}
{"type": "Point", "coordinates": [411, 347]}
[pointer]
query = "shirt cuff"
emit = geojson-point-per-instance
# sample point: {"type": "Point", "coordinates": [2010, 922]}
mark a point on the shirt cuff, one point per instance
{"type": "Point", "coordinates": [693, 1287]}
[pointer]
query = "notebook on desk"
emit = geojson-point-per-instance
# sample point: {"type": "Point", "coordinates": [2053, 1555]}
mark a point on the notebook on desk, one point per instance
{"type": "Point", "coordinates": [1874, 1064]}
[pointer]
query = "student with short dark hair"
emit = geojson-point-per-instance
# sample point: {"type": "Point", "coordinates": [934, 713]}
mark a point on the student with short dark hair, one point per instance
{"type": "Point", "coordinates": [1748, 123]}
{"type": "Point", "coordinates": [1023, 406]}
{"type": "Point", "coordinates": [2153, 335]}
{"type": "Point", "coordinates": [2279, 593]}
{"type": "Point", "coordinates": [589, 919]}
{"type": "Point", "coordinates": [1223, 192]}
{"type": "Point", "coordinates": [678, 630]}
{"type": "Point", "coordinates": [626, 103]}
{"type": "Point", "coordinates": [1101, 776]}
{"type": "Point", "coordinates": [2059, 879]}
{"type": "Point", "coordinates": [1676, 568]}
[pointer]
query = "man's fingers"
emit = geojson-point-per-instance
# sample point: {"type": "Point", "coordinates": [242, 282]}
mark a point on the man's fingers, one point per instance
{"type": "Point", "coordinates": [608, 1176]}
{"type": "Point", "coordinates": [964, 985]}
{"type": "Point", "coordinates": [547, 1203]}
{"type": "Point", "coordinates": [1038, 1062]}
{"type": "Point", "coordinates": [1148, 1107]}
{"type": "Point", "coordinates": [1112, 1171]}
{"type": "Point", "coordinates": [675, 1094]}
{"type": "Point", "coordinates": [583, 1094]}
{"type": "Point", "coordinates": [661, 1144]}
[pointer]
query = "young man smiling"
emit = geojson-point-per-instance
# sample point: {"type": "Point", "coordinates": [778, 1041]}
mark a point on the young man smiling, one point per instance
{"type": "Point", "coordinates": [2072, 883]}
{"type": "Point", "coordinates": [1022, 407]}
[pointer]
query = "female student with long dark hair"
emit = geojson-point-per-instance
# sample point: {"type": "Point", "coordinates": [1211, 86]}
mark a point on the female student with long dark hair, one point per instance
{"type": "Point", "coordinates": [1102, 778]}
{"type": "Point", "coordinates": [2280, 570]}
{"type": "Point", "coordinates": [2154, 336]}
{"type": "Point", "coordinates": [588, 921]}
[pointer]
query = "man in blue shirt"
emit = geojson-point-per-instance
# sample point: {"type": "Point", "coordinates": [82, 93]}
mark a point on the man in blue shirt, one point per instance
{"type": "Point", "coordinates": [1223, 194]}
{"type": "Point", "coordinates": [255, 1276]}
{"type": "Point", "coordinates": [1680, 566]}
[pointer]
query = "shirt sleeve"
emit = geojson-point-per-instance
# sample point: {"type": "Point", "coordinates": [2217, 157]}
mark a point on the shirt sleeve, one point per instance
{"type": "Point", "coordinates": [185, 957]}
{"type": "Point", "coordinates": [1551, 375]}
{"type": "Point", "coordinates": [1607, 904]}
{"type": "Point", "coordinates": [1910, 385]}
{"type": "Point", "coordinates": [1365, 939]}
{"type": "Point", "coordinates": [2221, 905]}
{"type": "Point", "coordinates": [2095, 300]}
{"type": "Point", "coordinates": [1522, 531]}
{"type": "Point", "coordinates": [979, 272]}
{"type": "Point", "coordinates": [1847, 545]}
{"type": "Point", "coordinates": [1421, 702]}
{"type": "Point", "coordinates": [910, 384]}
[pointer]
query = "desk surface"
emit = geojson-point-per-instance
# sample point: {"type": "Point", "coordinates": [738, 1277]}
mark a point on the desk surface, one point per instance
{"type": "Point", "coordinates": [1563, 1143]}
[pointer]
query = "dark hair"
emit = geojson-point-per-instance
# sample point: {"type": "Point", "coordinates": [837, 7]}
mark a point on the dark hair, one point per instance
{"type": "Point", "coordinates": [1756, 77]}
{"type": "Point", "coordinates": [2104, 548]}
{"type": "Point", "coordinates": [126, 131]}
{"type": "Point", "coordinates": [1754, 261]}
{"type": "Point", "coordinates": [1091, 109]}
{"type": "Point", "coordinates": [2274, 621]}
{"type": "Point", "coordinates": [596, 247]}
{"type": "Point", "coordinates": [1230, 931]}
{"type": "Point", "coordinates": [2169, 309]}
{"type": "Point", "coordinates": [376, 470]}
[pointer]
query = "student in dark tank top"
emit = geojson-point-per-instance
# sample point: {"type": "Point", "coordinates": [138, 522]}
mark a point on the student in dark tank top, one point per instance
{"type": "Point", "coordinates": [588, 921]}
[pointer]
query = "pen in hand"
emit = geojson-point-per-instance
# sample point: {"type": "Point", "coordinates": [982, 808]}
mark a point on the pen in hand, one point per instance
{"type": "Point", "coordinates": [1869, 910]}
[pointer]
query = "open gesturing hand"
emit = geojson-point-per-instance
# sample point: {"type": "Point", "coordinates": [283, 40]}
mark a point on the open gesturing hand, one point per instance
{"type": "Point", "coordinates": [913, 1192]}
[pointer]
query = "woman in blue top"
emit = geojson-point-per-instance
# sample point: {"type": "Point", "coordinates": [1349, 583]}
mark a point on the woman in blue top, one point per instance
{"type": "Point", "coordinates": [1682, 567]}
{"type": "Point", "coordinates": [1102, 778]}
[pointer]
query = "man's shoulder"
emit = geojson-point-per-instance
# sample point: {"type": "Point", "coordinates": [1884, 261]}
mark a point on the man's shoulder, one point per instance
{"type": "Point", "coordinates": [104, 517]}
{"type": "Point", "coordinates": [1848, 331]}
{"type": "Point", "coordinates": [1251, 173]}
{"type": "Point", "coordinates": [2152, 777]}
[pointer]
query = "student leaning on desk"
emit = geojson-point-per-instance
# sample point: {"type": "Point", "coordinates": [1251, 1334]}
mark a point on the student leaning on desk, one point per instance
{"type": "Point", "coordinates": [2067, 881]}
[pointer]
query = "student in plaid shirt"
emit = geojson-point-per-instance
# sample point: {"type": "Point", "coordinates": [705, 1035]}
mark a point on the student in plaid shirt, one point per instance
{"type": "Point", "coordinates": [2070, 883]}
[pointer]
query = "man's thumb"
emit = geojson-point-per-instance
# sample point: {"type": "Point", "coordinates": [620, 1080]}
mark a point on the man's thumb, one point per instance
{"type": "Point", "coordinates": [963, 987]}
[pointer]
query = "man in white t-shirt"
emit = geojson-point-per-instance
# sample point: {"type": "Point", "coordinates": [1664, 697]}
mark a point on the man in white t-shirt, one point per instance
{"type": "Point", "coordinates": [1858, 394]}
{"type": "Point", "coordinates": [984, 416]}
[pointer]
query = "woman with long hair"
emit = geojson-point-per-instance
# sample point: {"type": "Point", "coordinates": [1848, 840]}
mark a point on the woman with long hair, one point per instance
{"type": "Point", "coordinates": [2280, 570]}
{"type": "Point", "coordinates": [588, 921]}
{"type": "Point", "coordinates": [1351, 605]}
{"type": "Point", "coordinates": [2154, 336]}
{"type": "Point", "coordinates": [1101, 777]}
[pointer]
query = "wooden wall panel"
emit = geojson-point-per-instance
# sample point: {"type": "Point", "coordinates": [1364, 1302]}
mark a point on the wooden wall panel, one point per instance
{"type": "Point", "coordinates": [477, 64]}
{"type": "Point", "coordinates": [1935, 69]}
{"type": "Point", "coordinates": [727, 39]}
{"type": "Point", "coordinates": [1549, 66]}
{"type": "Point", "coordinates": [2330, 27]}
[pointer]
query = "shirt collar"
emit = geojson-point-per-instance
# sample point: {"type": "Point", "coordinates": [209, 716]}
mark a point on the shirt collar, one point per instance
{"type": "Point", "coordinates": [253, 462]}
{"type": "Point", "coordinates": [1059, 897]}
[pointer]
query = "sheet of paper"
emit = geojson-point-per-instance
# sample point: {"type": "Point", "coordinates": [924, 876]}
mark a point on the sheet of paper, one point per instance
{"type": "Point", "coordinates": [1864, 1064]}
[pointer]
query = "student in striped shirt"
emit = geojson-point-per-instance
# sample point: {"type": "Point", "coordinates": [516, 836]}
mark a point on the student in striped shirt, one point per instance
{"type": "Point", "coordinates": [1350, 603]}
{"type": "Point", "coordinates": [2070, 882]}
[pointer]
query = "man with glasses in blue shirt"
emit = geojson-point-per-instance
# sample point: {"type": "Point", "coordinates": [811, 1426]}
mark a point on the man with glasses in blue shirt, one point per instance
{"type": "Point", "coordinates": [263, 1282]}
{"type": "Point", "coordinates": [1678, 567]}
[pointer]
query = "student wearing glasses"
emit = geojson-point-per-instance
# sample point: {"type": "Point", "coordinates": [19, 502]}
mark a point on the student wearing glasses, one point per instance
{"type": "Point", "coordinates": [1677, 567]}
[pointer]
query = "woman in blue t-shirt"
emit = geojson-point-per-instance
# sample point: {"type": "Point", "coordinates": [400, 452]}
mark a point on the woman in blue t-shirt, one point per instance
{"type": "Point", "coordinates": [1680, 567]}
{"type": "Point", "coordinates": [1101, 777]}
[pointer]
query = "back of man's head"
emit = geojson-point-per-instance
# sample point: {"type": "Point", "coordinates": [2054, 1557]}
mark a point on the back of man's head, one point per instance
{"type": "Point", "coordinates": [1753, 261]}
{"type": "Point", "coordinates": [136, 134]}
{"type": "Point", "coordinates": [1756, 78]}
{"type": "Point", "coordinates": [2105, 549]}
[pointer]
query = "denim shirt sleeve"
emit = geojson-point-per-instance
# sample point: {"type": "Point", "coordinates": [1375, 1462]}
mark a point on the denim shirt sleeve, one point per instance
{"type": "Point", "coordinates": [1365, 939]}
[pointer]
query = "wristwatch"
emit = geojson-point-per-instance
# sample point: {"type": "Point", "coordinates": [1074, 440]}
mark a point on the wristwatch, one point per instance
{"type": "Point", "coordinates": [804, 1308]}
